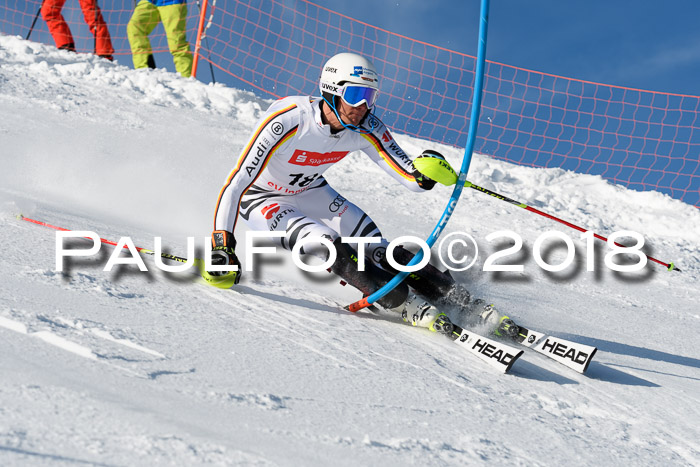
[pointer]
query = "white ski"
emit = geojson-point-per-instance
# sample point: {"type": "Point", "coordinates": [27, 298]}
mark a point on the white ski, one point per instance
{"type": "Point", "coordinates": [572, 354]}
{"type": "Point", "coordinates": [495, 353]}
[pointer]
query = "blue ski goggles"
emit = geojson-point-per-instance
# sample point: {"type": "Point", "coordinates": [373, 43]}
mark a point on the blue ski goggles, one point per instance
{"type": "Point", "coordinates": [356, 95]}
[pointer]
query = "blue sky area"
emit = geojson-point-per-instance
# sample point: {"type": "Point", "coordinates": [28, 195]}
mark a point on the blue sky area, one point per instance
{"type": "Point", "coordinates": [645, 44]}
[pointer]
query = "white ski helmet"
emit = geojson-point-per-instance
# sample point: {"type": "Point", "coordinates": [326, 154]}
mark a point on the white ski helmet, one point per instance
{"type": "Point", "coordinates": [347, 69]}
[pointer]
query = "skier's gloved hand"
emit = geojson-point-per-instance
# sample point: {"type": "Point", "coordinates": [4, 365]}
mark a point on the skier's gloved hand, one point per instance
{"type": "Point", "coordinates": [423, 180]}
{"type": "Point", "coordinates": [223, 254]}
{"type": "Point", "coordinates": [431, 167]}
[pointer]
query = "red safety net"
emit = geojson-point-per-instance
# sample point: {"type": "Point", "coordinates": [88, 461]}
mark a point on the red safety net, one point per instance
{"type": "Point", "coordinates": [641, 139]}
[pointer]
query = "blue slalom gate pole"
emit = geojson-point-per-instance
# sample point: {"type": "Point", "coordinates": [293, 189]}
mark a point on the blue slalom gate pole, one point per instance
{"type": "Point", "coordinates": [466, 161]}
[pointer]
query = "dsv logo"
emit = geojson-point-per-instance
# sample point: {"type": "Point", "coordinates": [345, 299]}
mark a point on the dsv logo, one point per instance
{"type": "Point", "coordinates": [336, 204]}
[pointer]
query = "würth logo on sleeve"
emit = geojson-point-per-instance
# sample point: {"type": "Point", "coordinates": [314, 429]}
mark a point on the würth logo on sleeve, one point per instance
{"type": "Point", "coordinates": [271, 210]}
{"type": "Point", "coordinates": [316, 158]}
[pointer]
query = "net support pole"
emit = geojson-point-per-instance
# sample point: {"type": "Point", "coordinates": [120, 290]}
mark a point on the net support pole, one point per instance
{"type": "Point", "coordinates": [198, 41]}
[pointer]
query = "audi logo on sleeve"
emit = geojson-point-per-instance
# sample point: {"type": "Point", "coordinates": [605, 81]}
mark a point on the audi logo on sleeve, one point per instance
{"type": "Point", "coordinates": [336, 204]}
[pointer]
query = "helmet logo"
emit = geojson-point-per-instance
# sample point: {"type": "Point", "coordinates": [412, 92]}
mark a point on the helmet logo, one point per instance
{"type": "Point", "coordinates": [330, 69]}
{"type": "Point", "coordinates": [358, 71]}
{"type": "Point", "coordinates": [330, 87]}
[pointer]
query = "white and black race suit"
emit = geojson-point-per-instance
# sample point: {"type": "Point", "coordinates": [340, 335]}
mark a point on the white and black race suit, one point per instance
{"type": "Point", "coordinates": [278, 184]}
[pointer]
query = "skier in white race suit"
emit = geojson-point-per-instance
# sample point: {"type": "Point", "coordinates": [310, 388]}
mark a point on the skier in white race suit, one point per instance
{"type": "Point", "coordinates": [277, 185]}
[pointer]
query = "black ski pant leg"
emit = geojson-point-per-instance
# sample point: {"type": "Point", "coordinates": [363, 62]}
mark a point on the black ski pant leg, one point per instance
{"type": "Point", "coordinates": [368, 281]}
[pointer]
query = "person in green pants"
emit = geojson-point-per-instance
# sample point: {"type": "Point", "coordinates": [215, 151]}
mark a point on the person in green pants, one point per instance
{"type": "Point", "coordinates": [147, 15]}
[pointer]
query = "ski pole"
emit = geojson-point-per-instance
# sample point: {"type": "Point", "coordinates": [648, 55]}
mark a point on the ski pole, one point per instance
{"type": "Point", "coordinates": [36, 17]}
{"type": "Point", "coordinates": [468, 184]}
{"type": "Point", "coordinates": [206, 39]}
{"type": "Point", "coordinates": [198, 40]}
{"type": "Point", "coordinates": [105, 241]}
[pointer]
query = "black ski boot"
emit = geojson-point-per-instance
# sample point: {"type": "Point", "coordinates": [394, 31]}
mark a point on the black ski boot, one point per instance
{"type": "Point", "coordinates": [429, 282]}
{"type": "Point", "coordinates": [419, 312]}
{"type": "Point", "coordinates": [499, 325]}
{"type": "Point", "coordinates": [442, 290]}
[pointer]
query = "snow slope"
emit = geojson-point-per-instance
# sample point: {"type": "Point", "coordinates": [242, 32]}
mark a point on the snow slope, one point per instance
{"type": "Point", "coordinates": [134, 368]}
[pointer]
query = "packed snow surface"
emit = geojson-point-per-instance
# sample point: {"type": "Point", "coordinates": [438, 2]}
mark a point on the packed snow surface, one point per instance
{"type": "Point", "coordinates": [148, 368]}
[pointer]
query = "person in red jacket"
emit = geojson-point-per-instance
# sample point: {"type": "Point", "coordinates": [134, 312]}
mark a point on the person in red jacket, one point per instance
{"type": "Point", "coordinates": [51, 12]}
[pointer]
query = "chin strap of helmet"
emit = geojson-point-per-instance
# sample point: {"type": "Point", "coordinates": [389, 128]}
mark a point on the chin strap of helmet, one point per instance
{"type": "Point", "coordinates": [354, 128]}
